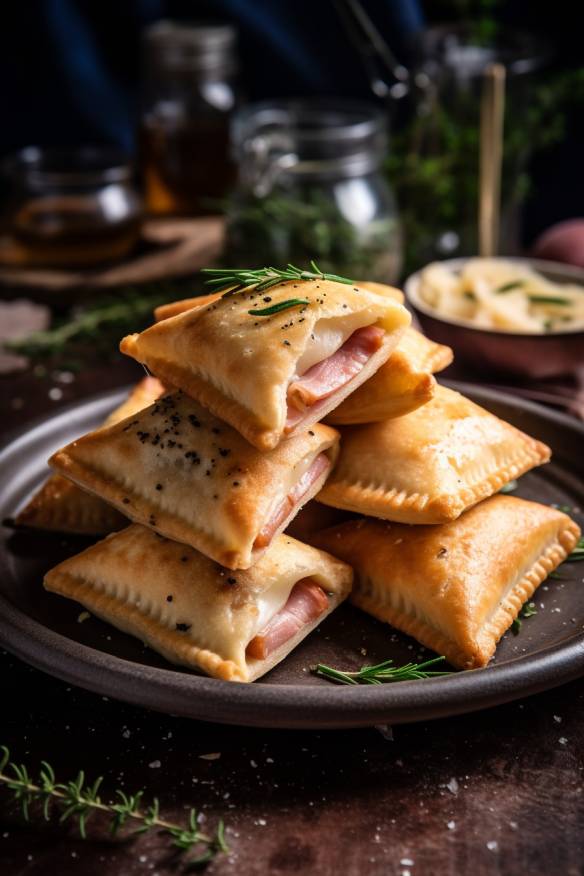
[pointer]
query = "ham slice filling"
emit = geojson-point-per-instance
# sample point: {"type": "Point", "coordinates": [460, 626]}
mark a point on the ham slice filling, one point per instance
{"type": "Point", "coordinates": [319, 465]}
{"type": "Point", "coordinates": [330, 375]}
{"type": "Point", "coordinates": [306, 602]}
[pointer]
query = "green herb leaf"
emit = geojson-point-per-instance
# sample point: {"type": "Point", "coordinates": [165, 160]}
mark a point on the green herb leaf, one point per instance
{"type": "Point", "coordinates": [528, 610]}
{"type": "Point", "coordinates": [78, 800]}
{"type": "Point", "coordinates": [549, 299]}
{"type": "Point", "coordinates": [508, 287]}
{"type": "Point", "coordinates": [277, 308]}
{"type": "Point", "coordinates": [382, 673]}
{"type": "Point", "coordinates": [233, 280]}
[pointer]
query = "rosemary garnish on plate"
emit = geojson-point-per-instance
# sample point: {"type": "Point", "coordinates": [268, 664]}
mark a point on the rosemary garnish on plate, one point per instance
{"type": "Point", "coordinates": [528, 610]}
{"type": "Point", "coordinates": [235, 279]}
{"type": "Point", "coordinates": [382, 673]}
{"type": "Point", "coordinates": [79, 801]}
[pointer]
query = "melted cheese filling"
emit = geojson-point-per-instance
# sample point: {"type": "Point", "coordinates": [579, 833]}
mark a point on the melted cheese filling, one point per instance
{"type": "Point", "coordinates": [328, 336]}
{"type": "Point", "coordinates": [271, 602]}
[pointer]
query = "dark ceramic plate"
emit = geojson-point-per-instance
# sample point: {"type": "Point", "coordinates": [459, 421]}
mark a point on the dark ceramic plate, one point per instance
{"type": "Point", "coordinates": [44, 629]}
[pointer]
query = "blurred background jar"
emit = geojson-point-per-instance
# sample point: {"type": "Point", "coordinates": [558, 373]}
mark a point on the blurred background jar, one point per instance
{"type": "Point", "coordinates": [190, 89]}
{"type": "Point", "coordinates": [310, 186]}
{"type": "Point", "coordinates": [435, 156]}
{"type": "Point", "coordinates": [69, 207]}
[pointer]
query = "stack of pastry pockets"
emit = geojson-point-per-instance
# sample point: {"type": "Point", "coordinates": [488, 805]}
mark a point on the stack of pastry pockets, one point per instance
{"type": "Point", "coordinates": [61, 506]}
{"type": "Point", "coordinates": [232, 625]}
{"type": "Point", "coordinates": [214, 473]}
{"type": "Point", "coordinates": [288, 355]}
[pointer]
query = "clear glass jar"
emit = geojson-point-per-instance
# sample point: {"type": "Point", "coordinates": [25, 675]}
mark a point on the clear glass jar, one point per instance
{"type": "Point", "coordinates": [190, 90]}
{"type": "Point", "coordinates": [310, 187]}
{"type": "Point", "coordinates": [435, 157]}
{"type": "Point", "coordinates": [71, 208]}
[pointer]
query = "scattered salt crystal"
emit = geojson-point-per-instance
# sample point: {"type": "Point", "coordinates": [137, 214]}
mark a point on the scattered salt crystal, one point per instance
{"type": "Point", "coordinates": [262, 821]}
{"type": "Point", "coordinates": [453, 786]}
{"type": "Point", "coordinates": [126, 733]}
{"type": "Point", "coordinates": [513, 825]}
{"type": "Point", "coordinates": [253, 764]}
{"type": "Point", "coordinates": [269, 760]}
{"type": "Point", "coordinates": [213, 755]}
{"type": "Point", "coordinates": [142, 859]}
{"type": "Point", "coordinates": [562, 740]}
{"type": "Point", "coordinates": [406, 862]}
{"type": "Point", "coordinates": [156, 764]}
{"type": "Point", "coordinates": [493, 846]}
{"type": "Point", "coordinates": [451, 825]}
{"type": "Point", "coordinates": [55, 393]}
{"type": "Point", "coordinates": [557, 719]}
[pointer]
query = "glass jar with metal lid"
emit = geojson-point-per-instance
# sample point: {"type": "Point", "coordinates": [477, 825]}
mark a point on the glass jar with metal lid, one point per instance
{"type": "Point", "coordinates": [189, 91]}
{"type": "Point", "coordinates": [310, 187]}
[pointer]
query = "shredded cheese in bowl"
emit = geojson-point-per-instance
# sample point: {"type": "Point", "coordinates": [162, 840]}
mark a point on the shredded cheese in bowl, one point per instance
{"type": "Point", "coordinates": [502, 295]}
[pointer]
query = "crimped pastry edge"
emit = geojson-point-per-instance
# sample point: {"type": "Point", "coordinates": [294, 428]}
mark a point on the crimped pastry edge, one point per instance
{"type": "Point", "coordinates": [402, 507]}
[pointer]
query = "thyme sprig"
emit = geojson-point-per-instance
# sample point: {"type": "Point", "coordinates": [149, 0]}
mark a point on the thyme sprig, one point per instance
{"type": "Point", "coordinates": [79, 801]}
{"type": "Point", "coordinates": [382, 673]}
{"type": "Point", "coordinates": [231, 280]}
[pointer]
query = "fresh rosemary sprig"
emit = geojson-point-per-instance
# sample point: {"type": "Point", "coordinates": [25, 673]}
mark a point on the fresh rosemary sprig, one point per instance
{"type": "Point", "coordinates": [235, 279]}
{"type": "Point", "coordinates": [382, 673]}
{"type": "Point", "coordinates": [277, 308]}
{"type": "Point", "coordinates": [78, 800]}
{"type": "Point", "coordinates": [528, 610]}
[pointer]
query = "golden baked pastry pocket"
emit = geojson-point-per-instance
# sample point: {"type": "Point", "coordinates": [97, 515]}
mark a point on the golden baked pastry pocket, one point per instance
{"type": "Point", "coordinates": [165, 311]}
{"type": "Point", "coordinates": [61, 506]}
{"type": "Point", "coordinates": [232, 625]}
{"type": "Point", "coordinates": [182, 471]}
{"type": "Point", "coordinates": [430, 465]}
{"type": "Point", "coordinates": [455, 588]}
{"type": "Point", "coordinates": [401, 385]}
{"type": "Point", "coordinates": [270, 366]}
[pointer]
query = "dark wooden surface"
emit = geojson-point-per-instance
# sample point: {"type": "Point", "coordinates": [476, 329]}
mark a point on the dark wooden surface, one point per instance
{"type": "Point", "coordinates": [498, 792]}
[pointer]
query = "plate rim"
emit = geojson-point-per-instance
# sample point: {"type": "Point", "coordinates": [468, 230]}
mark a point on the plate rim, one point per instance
{"type": "Point", "coordinates": [292, 706]}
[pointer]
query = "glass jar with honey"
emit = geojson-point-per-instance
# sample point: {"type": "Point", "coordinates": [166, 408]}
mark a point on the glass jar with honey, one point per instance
{"type": "Point", "coordinates": [190, 90]}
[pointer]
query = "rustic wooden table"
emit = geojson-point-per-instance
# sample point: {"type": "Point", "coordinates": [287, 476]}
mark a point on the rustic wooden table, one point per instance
{"type": "Point", "coordinates": [495, 792]}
